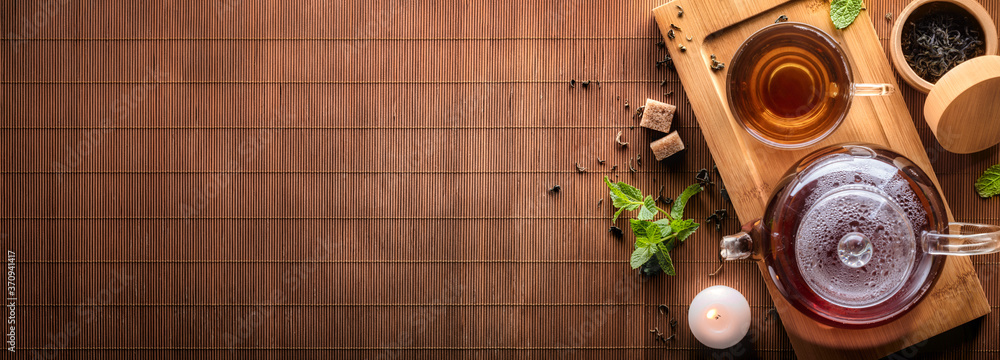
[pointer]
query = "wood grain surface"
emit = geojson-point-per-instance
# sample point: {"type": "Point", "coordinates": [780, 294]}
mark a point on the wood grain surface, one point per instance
{"type": "Point", "coordinates": [365, 179]}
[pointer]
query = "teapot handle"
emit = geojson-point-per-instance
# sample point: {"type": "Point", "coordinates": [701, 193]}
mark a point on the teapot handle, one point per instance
{"type": "Point", "coordinates": [963, 239]}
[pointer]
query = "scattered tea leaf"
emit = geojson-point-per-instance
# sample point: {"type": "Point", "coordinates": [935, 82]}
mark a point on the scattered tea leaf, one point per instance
{"type": "Point", "coordinates": [689, 38]}
{"type": "Point", "coordinates": [667, 60]}
{"type": "Point", "coordinates": [555, 189]}
{"type": "Point", "coordinates": [599, 161]}
{"type": "Point", "coordinates": [704, 178]}
{"type": "Point", "coordinates": [664, 199]}
{"type": "Point", "coordinates": [669, 93]}
{"type": "Point", "coordinates": [781, 18]}
{"type": "Point", "coordinates": [717, 270]}
{"type": "Point", "coordinates": [675, 27]}
{"type": "Point", "coordinates": [614, 167]}
{"type": "Point", "coordinates": [670, 34]}
{"type": "Point", "coordinates": [572, 83]}
{"type": "Point", "coordinates": [774, 311]}
{"type": "Point", "coordinates": [988, 184]}
{"type": "Point", "coordinates": [599, 201]}
{"type": "Point", "coordinates": [718, 217]}
{"type": "Point", "coordinates": [585, 84]}
{"type": "Point", "coordinates": [683, 49]}
{"type": "Point", "coordinates": [630, 168]}
{"type": "Point", "coordinates": [661, 44]}
{"type": "Point", "coordinates": [843, 12]}
{"type": "Point", "coordinates": [618, 139]}
{"type": "Point", "coordinates": [663, 309]}
{"type": "Point", "coordinates": [716, 65]}
{"type": "Point", "coordinates": [888, 17]}
{"type": "Point", "coordinates": [680, 11]}
{"type": "Point", "coordinates": [616, 232]}
{"type": "Point", "coordinates": [580, 169]}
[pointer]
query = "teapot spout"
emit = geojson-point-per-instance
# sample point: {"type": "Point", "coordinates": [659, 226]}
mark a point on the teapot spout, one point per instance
{"type": "Point", "coordinates": [740, 245]}
{"type": "Point", "coordinates": [736, 247]}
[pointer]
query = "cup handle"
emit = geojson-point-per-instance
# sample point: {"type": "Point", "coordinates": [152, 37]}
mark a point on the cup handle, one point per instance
{"type": "Point", "coordinates": [872, 89]}
{"type": "Point", "coordinates": [963, 239]}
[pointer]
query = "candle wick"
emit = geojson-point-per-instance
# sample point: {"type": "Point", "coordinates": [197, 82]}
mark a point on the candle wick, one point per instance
{"type": "Point", "coordinates": [717, 316]}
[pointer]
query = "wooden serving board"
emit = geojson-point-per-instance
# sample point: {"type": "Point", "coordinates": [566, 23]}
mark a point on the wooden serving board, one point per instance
{"type": "Point", "coordinates": [750, 169]}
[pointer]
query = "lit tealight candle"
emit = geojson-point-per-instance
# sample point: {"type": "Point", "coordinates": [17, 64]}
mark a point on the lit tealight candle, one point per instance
{"type": "Point", "coordinates": [719, 317]}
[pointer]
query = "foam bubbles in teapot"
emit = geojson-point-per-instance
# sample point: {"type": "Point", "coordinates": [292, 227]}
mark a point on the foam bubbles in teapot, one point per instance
{"type": "Point", "coordinates": [881, 212]}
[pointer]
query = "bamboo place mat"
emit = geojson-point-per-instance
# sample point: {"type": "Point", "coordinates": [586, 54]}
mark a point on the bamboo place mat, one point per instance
{"type": "Point", "coordinates": [358, 179]}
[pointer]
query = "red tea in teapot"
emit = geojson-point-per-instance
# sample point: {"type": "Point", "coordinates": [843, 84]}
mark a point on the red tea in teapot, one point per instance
{"type": "Point", "coordinates": [851, 223]}
{"type": "Point", "coordinates": [854, 234]}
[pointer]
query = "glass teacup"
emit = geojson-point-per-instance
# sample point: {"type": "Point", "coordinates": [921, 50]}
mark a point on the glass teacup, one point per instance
{"type": "Point", "coordinates": [790, 85]}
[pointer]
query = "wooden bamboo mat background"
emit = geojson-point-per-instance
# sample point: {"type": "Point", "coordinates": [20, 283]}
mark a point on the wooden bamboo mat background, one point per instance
{"type": "Point", "coordinates": [256, 179]}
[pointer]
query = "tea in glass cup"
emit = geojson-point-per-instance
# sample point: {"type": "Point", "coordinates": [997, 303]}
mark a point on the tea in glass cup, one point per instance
{"type": "Point", "coordinates": [790, 85]}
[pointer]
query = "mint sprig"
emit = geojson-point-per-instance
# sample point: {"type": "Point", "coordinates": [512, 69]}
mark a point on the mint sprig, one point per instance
{"type": "Point", "coordinates": [988, 184]}
{"type": "Point", "coordinates": [843, 12]}
{"type": "Point", "coordinates": [653, 239]}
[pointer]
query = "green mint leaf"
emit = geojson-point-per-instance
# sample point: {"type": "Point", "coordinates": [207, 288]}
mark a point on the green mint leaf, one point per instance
{"type": "Point", "coordinates": [665, 228]}
{"type": "Point", "coordinates": [640, 256]}
{"type": "Point", "coordinates": [631, 192]}
{"type": "Point", "coordinates": [617, 213]}
{"type": "Point", "coordinates": [648, 209]}
{"type": "Point", "coordinates": [638, 228]}
{"type": "Point", "coordinates": [653, 233]}
{"type": "Point", "coordinates": [988, 185]}
{"type": "Point", "coordinates": [680, 202]}
{"type": "Point", "coordinates": [623, 197]}
{"type": "Point", "coordinates": [684, 228]}
{"type": "Point", "coordinates": [663, 258]}
{"type": "Point", "coordinates": [618, 198]}
{"type": "Point", "coordinates": [646, 232]}
{"type": "Point", "coordinates": [843, 12]}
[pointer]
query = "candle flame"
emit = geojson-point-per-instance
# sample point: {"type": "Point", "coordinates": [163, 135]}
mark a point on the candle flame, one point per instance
{"type": "Point", "coordinates": [711, 314]}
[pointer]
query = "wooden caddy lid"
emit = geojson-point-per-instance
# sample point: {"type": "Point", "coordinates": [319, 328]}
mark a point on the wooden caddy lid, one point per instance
{"type": "Point", "coordinates": [963, 108]}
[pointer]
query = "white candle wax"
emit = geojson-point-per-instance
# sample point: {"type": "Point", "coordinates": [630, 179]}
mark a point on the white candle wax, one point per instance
{"type": "Point", "coordinates": [719, 317]}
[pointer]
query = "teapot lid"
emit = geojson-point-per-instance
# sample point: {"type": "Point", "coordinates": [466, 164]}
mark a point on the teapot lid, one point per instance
{"type": "Point", "coordinates": [855, 246]}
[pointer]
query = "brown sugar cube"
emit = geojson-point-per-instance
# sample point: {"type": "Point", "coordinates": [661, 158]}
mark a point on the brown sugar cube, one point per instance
{"type": "Point", "coordinates": [666, 146]}
{"type": "Point", "coordinates": [657, 115]}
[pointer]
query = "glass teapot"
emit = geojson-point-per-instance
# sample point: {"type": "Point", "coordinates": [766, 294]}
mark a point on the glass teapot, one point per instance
{"type": "Point", "coordinates": [853, 233]}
